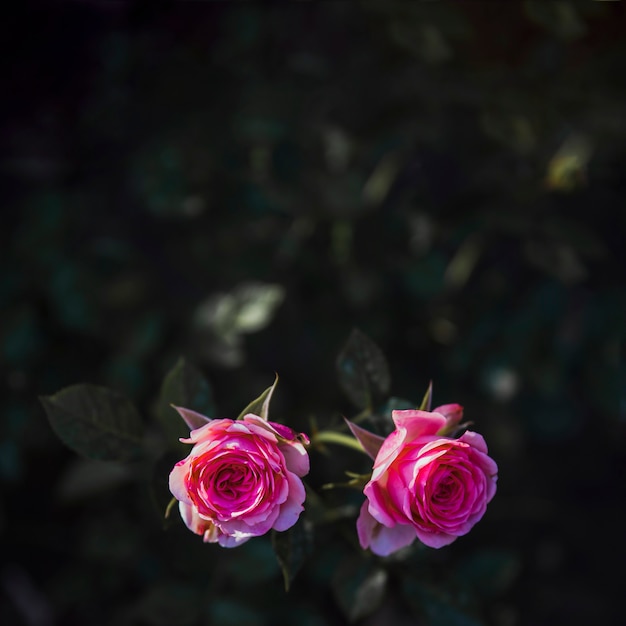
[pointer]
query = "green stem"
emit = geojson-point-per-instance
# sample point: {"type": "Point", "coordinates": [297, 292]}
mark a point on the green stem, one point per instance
{"type": "Point", "coordinates": [329, 436]}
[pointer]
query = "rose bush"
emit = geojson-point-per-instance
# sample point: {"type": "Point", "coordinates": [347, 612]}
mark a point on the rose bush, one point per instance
{"type": "Point", "coordinates": [425, 484]}
{"type": "Point", "coordinates": [241, 479]}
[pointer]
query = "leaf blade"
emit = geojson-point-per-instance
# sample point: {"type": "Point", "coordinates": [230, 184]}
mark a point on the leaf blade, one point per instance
{"type": "Point", "coordinates": [260, 406]}
{"type": "Point", "coordinates": [186, 387]}
{"type": "Point", "coordinates": [95, 422]}
{"type": "Point", "coordinates": [363, 370]}
{"type": "Point", "coordinates": [292, 548]}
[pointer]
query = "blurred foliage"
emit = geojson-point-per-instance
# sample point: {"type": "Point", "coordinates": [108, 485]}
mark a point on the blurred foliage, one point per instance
{"type": "Point", "coordinates": [242, 184]}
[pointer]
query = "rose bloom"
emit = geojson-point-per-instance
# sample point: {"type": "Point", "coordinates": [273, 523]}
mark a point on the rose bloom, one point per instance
{"type": "Point", "coordinates": [424, 484]}
{"type": "Point", "coordinates": [241, 479]}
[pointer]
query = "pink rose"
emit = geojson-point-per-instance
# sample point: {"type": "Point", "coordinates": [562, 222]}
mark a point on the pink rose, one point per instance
{"type": "Point", "coordinates": [241, 479]}
{"type": "Point", "coordinates": [424, 484]}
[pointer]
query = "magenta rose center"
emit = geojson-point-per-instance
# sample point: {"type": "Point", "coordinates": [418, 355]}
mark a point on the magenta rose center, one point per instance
{"type": "Point", "coordinates": [232, 480]}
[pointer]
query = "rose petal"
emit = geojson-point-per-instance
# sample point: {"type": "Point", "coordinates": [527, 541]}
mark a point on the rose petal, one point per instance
{"type": "Point", "coordinates": [417, 423]}
{"type": "Point", "coordinates": [296, 458]}
{"type": "Point", "coordinates": [434, 539]}
{"type": "Point", "coordinates": [292, 507]}
{"type": "Point", "coordinates": [381, 539]}
{"type": "Point", "coordinates": [177, 482]}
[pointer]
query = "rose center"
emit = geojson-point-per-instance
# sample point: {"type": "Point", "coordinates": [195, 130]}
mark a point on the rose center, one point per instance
{"type": "Point", "coordinates": [231, 481]}
{"type": "Point", "coordinates": [446, 489]}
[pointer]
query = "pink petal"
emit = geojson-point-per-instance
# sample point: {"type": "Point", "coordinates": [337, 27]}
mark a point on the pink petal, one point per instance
{"type": "Point", "coordinates": [379, 506]}
{"type": "Point", "coordinates": [382, 540]}
{"type": "Point", "coordinates": [434, 540]}
{"type": "Point", "coordinates": [296, 458]}
{"type": "Point", "coordinates": [205, 432]}
{"type": "Point", "coordinates": [453, 414]}
{"type": "Point", "coordinates": [475, 440]}
{"type": "Point", "coordinates": [388, 453]}
{"type": "Point", "coordinates": [417, 423]}
{"type": "Point", "coordinates": [177, 484]}
{"type": "Point", "coordinates": [232, 541]}
{"type": "Point", "coordinates": [291, 509]}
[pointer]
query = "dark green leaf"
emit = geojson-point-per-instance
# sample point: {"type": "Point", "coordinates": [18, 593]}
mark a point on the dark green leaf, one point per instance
{"type": "Point", "coordinates": [260, 406]}
{"type": "Point", "coordinates": [292, 548]}
{"type": "Point", "coordinates": [183, 386]}
{"type": "Point", "coordinates": [490, 572]}
{"type": "Point", "coordinates": [359, 587]}
{"type": "Point", "coordinates": [363, 370]}
{"type": "Point", "coordinates": [95, 422]}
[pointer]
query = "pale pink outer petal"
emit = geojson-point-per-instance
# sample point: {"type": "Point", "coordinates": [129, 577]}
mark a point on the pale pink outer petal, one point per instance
{"type": "Point", "coordinates": [380, 539]}
{"type": "Point", "coordinates": [209, 531]}
{"type": "Point", "coordinates": [191, 518]}
{"type": "Point", "coordinates": [206, 432]}
{"type": "Point", "coordinates": [475, 440]}
{"type": "Point", "coordinates": [264, 425]}
{"type": "Point", "coordinates": [388, 453]}
{"type": "Point", "coordinates": [417, 423]}
{"type": "Point", "coordinates": [177, 481]}
{"type": "Point", "coordinates": [452, 412]}
{"type": "Point", "coordinates": [232, 541]}
{"type": "Point", "coordinates": [291, 509]}
{"type": "Point", "coordinates": [240, 528]}
{"type": "Point", "coordinates": [296, 458]}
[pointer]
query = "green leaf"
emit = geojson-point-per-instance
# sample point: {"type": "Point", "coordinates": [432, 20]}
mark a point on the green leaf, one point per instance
{"type": "Point", "coordinates": [427, 399]}
{"type": "Point", "coordinates": [359, 587]}
{"type": "Point", "coordinates": [292, 548]}
{"type": "Point", "coordinates": [363, 370]}
{"type": "Point", "coordinates": [261, 405]}
{"type": "Point", "coordinates": [95, 422]}
{"type": "Point", "coordinates": [183, 386]}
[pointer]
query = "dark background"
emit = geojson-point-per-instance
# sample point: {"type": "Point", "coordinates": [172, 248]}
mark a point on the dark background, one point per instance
{"type": "Point", "coordinates": [242, 184]}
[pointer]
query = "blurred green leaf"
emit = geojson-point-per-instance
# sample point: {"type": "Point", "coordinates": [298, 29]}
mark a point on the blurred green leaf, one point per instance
{"type": "Point", "coordinates": [490, 572]}
{"type": "Point", "coordinates": [85, 478]}
{"type": "Point", "coordinates": [260, 406]}
{"type": "Point", "coordinates": [363, 370]}
{"type": "Point", "coordinates": [95, 422]}
{"type": "Point", "coordinates": [359, 587]}
{"type": "Point", "coordinates": [395, 404]}
{"type": "Point", "coordinates": [560, 17]}
{"type": "Point", "coordinates": [435, 605]}
{"type": "Point", "coordinates": [292, 548]}
{"type": "Point", "coordinates": [248, 308]}
{"type": "Point", "coordinates": [232, 612]}
{"type": "Point", "coordinates": [184, 386]}
{"type": "Point", "coordinates": [165, 604]}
